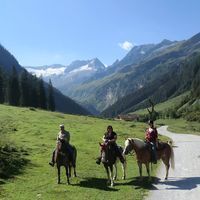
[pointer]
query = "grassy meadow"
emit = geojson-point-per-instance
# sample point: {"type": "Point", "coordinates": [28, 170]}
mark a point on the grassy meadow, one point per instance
{"type": "Point", "coordinates": [34, 131]}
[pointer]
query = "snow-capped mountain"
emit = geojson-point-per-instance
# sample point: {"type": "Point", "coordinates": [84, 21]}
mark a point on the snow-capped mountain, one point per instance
{"type": "Point", "coordinates": [67, 77]}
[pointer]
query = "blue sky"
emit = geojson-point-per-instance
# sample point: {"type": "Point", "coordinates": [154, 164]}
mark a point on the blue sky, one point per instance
{"type": "Point", "coordinates": [40, 32]}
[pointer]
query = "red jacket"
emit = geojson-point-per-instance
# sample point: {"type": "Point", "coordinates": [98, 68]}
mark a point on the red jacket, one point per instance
{"type": "Point", "coordinates": [151, 135]}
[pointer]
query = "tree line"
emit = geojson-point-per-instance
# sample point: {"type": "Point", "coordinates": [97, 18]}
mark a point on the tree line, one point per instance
{"type": "Point", "coordinates": [24, 89]}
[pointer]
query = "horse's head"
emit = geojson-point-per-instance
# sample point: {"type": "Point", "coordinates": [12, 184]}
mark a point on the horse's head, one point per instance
{"type": "Point", "coordinates": [128, 146]}
{"type": "Point", "coordinates": [107, 153]}
{"type": "Point", "coordinates": [61, 145]}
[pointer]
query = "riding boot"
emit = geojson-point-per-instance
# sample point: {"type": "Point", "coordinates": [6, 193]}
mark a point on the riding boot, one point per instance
{"type": "Point", "coordinates": [52, 162]}
{"type": "Point", "coordinates": [98, 161]}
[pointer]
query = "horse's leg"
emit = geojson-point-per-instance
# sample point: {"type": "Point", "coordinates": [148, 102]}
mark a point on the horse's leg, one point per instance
{"type": "Point", "coordinates": [74, 161]}
{"type": "Point", "coordinates": [115, 171]}
{"type": "Point", "coordinates": [70, 169]}
{"type": "Point", "coordinates": [107, 171]}
{"type": "Point", "coordinates": [140, 169]}
{"type": "Point", "coordinates": [111, 176]}
{"type": "Point", "coordinates": [148, 171]}
{"type": "Point", "coordinates": [58, 167]}
{"type": "Point", "coordinates": [124, 170]}
{"type": "Point", "coordinates": [67, 173]}
{"type": "Point", "coordinates": [75, 171]}
{"type": "Point", "coordinates": [167, 165]}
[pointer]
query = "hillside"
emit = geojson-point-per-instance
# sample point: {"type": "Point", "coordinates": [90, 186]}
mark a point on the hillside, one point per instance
{"type": "Point", "coordinates": [35, 131]}
{"type": "Point", "coordinates": [62, 103]}
{"type": "Point", "coordinates": [173, 83]}
{"type": "Point", "coordinates": [156, 62]}
{"type": "Point", "coordinates": [7, 60]}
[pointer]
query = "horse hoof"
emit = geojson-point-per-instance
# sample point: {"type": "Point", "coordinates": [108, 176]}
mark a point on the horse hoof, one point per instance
{"type": "Point", "coordinates": [165, 178]}
{"type": "Point", "coordinates": [112, 184]}
{"type": "Point", "coordinates": [123, 177]}
{"type": "Point", "coordinates": [68, 183]}
{"type": "Point", "coordinates": [114, 178]}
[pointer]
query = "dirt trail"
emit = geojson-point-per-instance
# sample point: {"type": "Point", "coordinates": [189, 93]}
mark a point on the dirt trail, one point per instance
{"type": "Point", "coordinates": [183, 182]}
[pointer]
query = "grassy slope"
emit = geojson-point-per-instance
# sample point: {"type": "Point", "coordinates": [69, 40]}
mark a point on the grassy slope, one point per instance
{"type": "Point", "coordinates": [175, 125]}
{"type": "Point", "coordinates": [161, 107]}
{"type": "Point", "coordinates": [37, 131]}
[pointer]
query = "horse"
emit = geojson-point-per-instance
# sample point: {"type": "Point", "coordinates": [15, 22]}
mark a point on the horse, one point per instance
{"type": "Point", "coordinates": [143, 154]}
{"type": "Point", "coordinates": [62, 158]}
{"type": "Point", "coordinates": [109, 159]}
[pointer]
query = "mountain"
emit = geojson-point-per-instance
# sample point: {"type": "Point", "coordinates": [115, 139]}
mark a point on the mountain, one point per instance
{"type": "Point", "coordinates": [63, 103]}
{"type": "Point", "coordinates": [183, 75]}
{"type": "Point", "coordinates": [67, 78]}
{"type": "Point", "coordinates": [7, 60]}
{"type": "Point", "coordinates": [149, 62]}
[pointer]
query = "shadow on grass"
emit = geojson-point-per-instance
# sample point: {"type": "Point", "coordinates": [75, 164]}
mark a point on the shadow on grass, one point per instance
{"type": "Point", "coordinates": [145, 183]}
{"type": "Point", "coordinates": [96, 183]}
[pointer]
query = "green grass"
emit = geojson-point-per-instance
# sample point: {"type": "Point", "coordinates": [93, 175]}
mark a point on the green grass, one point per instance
{"type": "Point", "coordinates": [35, 131]}
{"type": "Point", "coordinates": [181, 126]}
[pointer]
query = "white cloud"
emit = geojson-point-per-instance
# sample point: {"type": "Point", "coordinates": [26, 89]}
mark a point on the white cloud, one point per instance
{"type": "Point", "coordinates": [126, 45]}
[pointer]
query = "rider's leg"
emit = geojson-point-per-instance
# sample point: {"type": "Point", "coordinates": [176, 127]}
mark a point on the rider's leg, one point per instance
{"type": "Point", "coordinates": [52, 162]}
{"type": "Point", "coordinates": [154, 153]}
{"type": "Point", "coordinates": [98, 161]}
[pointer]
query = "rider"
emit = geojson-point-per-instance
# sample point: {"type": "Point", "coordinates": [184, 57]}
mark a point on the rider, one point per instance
{"type": "Point", "coordinates": [63, 135]}
{"type": "Point", "coordinates": [152, 137]}
{"type": "Point", "coordinates": [110, 137]}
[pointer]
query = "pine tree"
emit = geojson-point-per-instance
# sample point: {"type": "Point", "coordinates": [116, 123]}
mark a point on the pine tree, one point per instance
{"type": "Point", "coordinates": [51, 102]}
{"type": "Point", "coordinates": [1, 87]}
{"type": "Point", "coordinates": [13, 88]}
{"type": "Point", "coordinates": [41, 95]}
{"type": "Point", "coordinates": [25, 89]}
{"type": "Point", "coordinates": [34, 96]}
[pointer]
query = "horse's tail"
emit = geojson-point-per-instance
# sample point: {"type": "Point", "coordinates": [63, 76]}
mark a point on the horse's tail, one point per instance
{"type": "Point", "coordinates": [172, 157]}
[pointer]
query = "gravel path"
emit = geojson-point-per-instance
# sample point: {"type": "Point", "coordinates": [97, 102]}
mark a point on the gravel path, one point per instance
{"type": "Point", "coordinates": [183, 182]}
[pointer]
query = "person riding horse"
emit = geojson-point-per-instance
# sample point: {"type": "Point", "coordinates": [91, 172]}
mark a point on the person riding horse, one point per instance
{"type": "Point", "coordinates": [64, 136]}
{"type": "Point", "coordinates": [151, 138]}
{"type": "Point", "coordinates": [110, 138]}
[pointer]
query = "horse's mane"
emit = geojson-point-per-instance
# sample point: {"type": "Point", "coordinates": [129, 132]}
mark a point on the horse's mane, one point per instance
{"type": "Point", "coordinates": [138, 142]}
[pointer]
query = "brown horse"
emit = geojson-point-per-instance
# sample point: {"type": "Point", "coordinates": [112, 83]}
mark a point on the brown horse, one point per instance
{"type": "Point", "coordinates": [143, 154]}
{"type": "Point", "coordinates": [62, 158]}
{"type": "Point", "coordinates": [109, 159]}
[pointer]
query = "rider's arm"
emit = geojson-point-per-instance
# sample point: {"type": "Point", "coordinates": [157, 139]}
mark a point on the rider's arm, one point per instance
{"type": "Point", "coordinates": [113, 140]}
{"type": "Point", "coordinates": [104, 138]}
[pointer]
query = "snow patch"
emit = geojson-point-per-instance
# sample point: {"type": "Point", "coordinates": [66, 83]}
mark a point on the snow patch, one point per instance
{"type": "Point", "coordinates": [83, 68]}
{"type": "Point", "coordinates": [47, 72]}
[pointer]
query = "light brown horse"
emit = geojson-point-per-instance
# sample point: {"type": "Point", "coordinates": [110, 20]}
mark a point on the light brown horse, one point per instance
{"type": "Point", "coordinates": [143, 154]}
{"type": "Point", "coordinates": [62, 158]}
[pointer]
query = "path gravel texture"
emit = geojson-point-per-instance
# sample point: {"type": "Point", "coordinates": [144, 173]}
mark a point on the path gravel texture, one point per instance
{"type": "Point", "coordinates": [184, 181]}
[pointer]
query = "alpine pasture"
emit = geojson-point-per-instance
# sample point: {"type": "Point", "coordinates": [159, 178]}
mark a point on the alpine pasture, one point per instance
{"type": "Point", "coordinates": [35, 132]}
